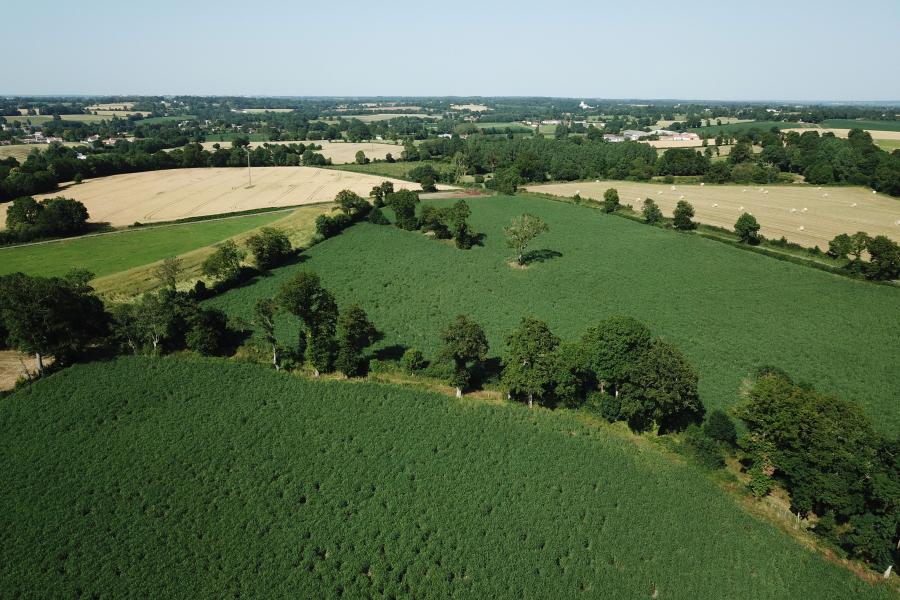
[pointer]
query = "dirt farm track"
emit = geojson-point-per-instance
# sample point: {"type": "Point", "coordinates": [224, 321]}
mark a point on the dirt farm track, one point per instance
{"type": "Point", "coordinates": [154, 196]}
{"type": "Point", "coordinates": [805, 214]}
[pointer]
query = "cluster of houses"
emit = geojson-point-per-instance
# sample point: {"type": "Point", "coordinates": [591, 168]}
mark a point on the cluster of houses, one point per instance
{"type": "Point", "coordinates": [663, 135]}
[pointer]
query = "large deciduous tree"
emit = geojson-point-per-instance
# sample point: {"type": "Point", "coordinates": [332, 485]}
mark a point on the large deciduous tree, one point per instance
{"type": "Point", "coordinates": [747, 229]}
{"type": "Point", "coordinates": [660, 388]}
{"type": "Point", "coordinates": [522, 232]}
{"type": "Point", "coordinates": [355, 333]}
{"type": "Point", "coordinates": [304, 297]}
{"type": "Point", "coordinates": [50, 317]}
{"type": "Point", "coordinates": [682, 216]}
{"type": "Point", "coordinates": [529, 361]}
{"type": "Point", "coordinates": [270, 247]}
{"type": "Point", "coordinates": [613, 344]}
{"type": "Point", "coordinates": [464, 345]}
{"type": "Point", "coordinates": [224, 264]}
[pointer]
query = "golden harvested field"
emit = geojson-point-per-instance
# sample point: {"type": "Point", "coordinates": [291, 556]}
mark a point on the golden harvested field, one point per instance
{"type": "Point", "coordinates": [471, 107]}
{"type": "Point", "coordinates": [111, 106]}
{"type": "Point", "coordinates": [121, 113]}
{"type": "Point", "coordinates": [675, 143]}
{"type": "Point", "coordinates": [154, 196]}
{"type": "Point", "coordinates": [14, 365]}
{"type": "Point", "coordinates": [842, 133]}
{"type": "Point", "coordinates": [37, 120]}
{"type": "Point", "coordinates": [265, 110]}
{"type": "Point", "coordinates": [804, 214]}
{"type": "Point", "coordinates": [339, 152]}
{"type": "Point", "coordinates": [21, 151]}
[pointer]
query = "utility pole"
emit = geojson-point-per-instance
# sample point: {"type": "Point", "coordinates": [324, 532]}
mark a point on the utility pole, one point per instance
{"type": "Point", "coordinates": [249, 176]}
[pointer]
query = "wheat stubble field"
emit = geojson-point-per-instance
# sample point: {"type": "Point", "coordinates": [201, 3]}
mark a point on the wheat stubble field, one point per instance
{"type": "Point", "coordinates": [339, 152]}
{"type": "Point", "coordinates": [804, 214]}
{"type": "Point", "coordinates": [155, 196]}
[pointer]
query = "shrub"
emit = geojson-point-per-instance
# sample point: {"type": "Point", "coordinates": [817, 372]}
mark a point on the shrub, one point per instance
{"type": "Point", "coordinates": [720, 427]}
{"type": "Point", "coordinates": [703, 449]}
{"type": "Point", "coordinates": [270, 247]}
{"type": "Point", "coordinates": [606, 405]}
{"type": "Point", "coordinates": [760, 483]}
{"type": "Point", "coordinates": [611, 200]}
{"type": "Point", "coordinates": [376, 217]}
{"type": "Point", "coordinates": [413, 361]}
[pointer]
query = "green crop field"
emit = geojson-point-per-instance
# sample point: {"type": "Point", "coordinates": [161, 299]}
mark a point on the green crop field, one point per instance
{"type": "Point", "coordinates": [395, 169]}
{"type": "Point", "coordinates": [112, 253]}
{"type": "Point", "coordinates": [888, 145]}
{"type": "Point", "coordinates": [180, 477]}
{"type": "Point", "coordinates": [862, 124]}
{"type": "Point", "coordinates": [728, 310]}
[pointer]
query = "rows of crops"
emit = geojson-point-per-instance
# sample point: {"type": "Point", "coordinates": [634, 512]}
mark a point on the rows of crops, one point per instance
{"type": "Point", "coordinates": [176, 477]}
{"type": "Point", "coordinates": [728, 310]}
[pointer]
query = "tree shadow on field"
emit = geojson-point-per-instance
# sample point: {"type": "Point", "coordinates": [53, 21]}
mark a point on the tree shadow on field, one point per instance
{"type": "Point", "coordinates": [477, 239]}
{"type": "Point", "coordinates": [392, 352]}
{"type": "Point", "coordinates": [539, 256]}
{"type": "Point", "coordinates": [486, 371]}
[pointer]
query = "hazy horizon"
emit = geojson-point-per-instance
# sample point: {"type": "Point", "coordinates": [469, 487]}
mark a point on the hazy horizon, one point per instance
{"type": "Point", "coordinates": [786, 52]}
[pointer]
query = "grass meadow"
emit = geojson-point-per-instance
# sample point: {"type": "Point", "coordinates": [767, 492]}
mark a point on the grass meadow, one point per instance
{"type": "Point", "coordinates": [120, 251]}
{"type": "Point", "coordinates": [862, 124]}
{"type": "Point", "coordinates": [727, 309]}
{"type": "Point", "coordinates": [167, 477]}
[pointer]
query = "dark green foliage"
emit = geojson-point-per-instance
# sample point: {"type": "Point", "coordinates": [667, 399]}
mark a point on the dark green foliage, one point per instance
{"type": "Point", "coordinates": [305, 298]}
{"type": "Point", "coordinates": [28, 219]}
{"type": "Point", "coordinates": [608, 405]}
{"type": "Point", "coordinates": [682, 215]}
{"type": "Point", "coordinates": [682, 161]}
{"type": "Point", "coordinates": [660, 388]}
{"type": "Point", "coordinates": [448, 222]}
{"type": "Point", "coordinates": [504, 181]}
{"type": "Point", "coordinates": [380, 191]}
{"type": "Point", "coordinates": [651, 212]}
{"type": "Point", "coordinates": [884, 259]}
{"type": "Point", "coordinates": [355, 333]}
{"type": "Point", "coordinates": [330, 226]}
{"type": "Point", "coordinates": [218, 476]}
{"type": "Point", "coordinates": [225, 263]}
{"type": "Point", "coordinates": [719, 172]}
{"type": "Point", "coordinates": [706, 451]}
{"type": "Point", "coordinates": [840, 246]}
{"type": "Point", "coordinates": [465, 345]}
{"type": "Point", "coordinates": [831, 460]}
{"type": "Point", "coordinates": [611, 346]}
{"type": "Point", "coordinates": [403, 204]}
{"type": "Point", "coordinates": [747, 229]}
{"type": "Point", "coordinates": [376, 217]}
{"type": "Point", "coordinates": [208, 332]}
{"type": "Point", "coordinates": [270, 247]}
{"type": "Point", "coordinates": [55, 316]}
{"type": "Point", "coordinates": [352, 205]}
{"type": "Point", "coordinates": [529, 360]}
{"type": "Point", "coordinates": [720, 427]}
{"type": "Point", "coordinates": [611, 200]}
{"type": "Point", "coordinates": [413, 361]}
{"type": "Point", "coordinates": [432, 220]}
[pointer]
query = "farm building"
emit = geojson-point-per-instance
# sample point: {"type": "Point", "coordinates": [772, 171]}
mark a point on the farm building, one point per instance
{"type": "Point", "coordinates": [634, 134]}
{"type": "Point", "coordinates": [609, 137]}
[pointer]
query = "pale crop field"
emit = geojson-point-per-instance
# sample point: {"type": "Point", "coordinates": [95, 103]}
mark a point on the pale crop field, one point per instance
{"type": "Point", "coordinates": [154, 196]}
{"type": "Point", "coordinates": [111, 106]}
{"type": "Point", "coordinates": [21, 151]}
{"type": "Point", "coordinates": [339, 152]}
{"type": "Point", "coordinates": [40, 119]}
{"type": "Point", "coordinates": [471, 107]}
{"type": "Point", "coordinates": [804, 214]}
{"type": "Point", "coordinates": [842, 133]}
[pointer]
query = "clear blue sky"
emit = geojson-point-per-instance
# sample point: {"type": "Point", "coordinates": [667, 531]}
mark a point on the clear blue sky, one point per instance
{"type": "Point", "coordinates": [693, 49]}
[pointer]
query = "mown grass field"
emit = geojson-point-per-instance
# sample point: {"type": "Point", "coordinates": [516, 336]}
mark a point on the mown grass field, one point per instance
{"type": "Point", "coordinates": [111, 253]}
{"type": "Point", "coordinates": [862, 124]}
{"type": "Point", "coordinates": [398, 170]}
{"type": "Point", "coordinates": [728, 310]}
{"type": "Point", "coordinates": [208, 479]}
{"type": "Point", "coordinates": [713, 130]}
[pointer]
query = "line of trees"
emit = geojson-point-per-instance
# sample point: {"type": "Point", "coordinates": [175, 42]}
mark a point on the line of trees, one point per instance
{"type": "Point", "coordinates": [43, 171]}
{"type": "Point", "coordinates": [27, 219]}
{"type": "Point", "coordinates": [884, 255]}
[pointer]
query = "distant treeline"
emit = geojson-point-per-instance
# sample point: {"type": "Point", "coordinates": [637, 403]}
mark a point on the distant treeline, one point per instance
{"type": "Point", "coordinates": [43, 171]}
{"type": "Point", "coordinates": [821, 159]}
